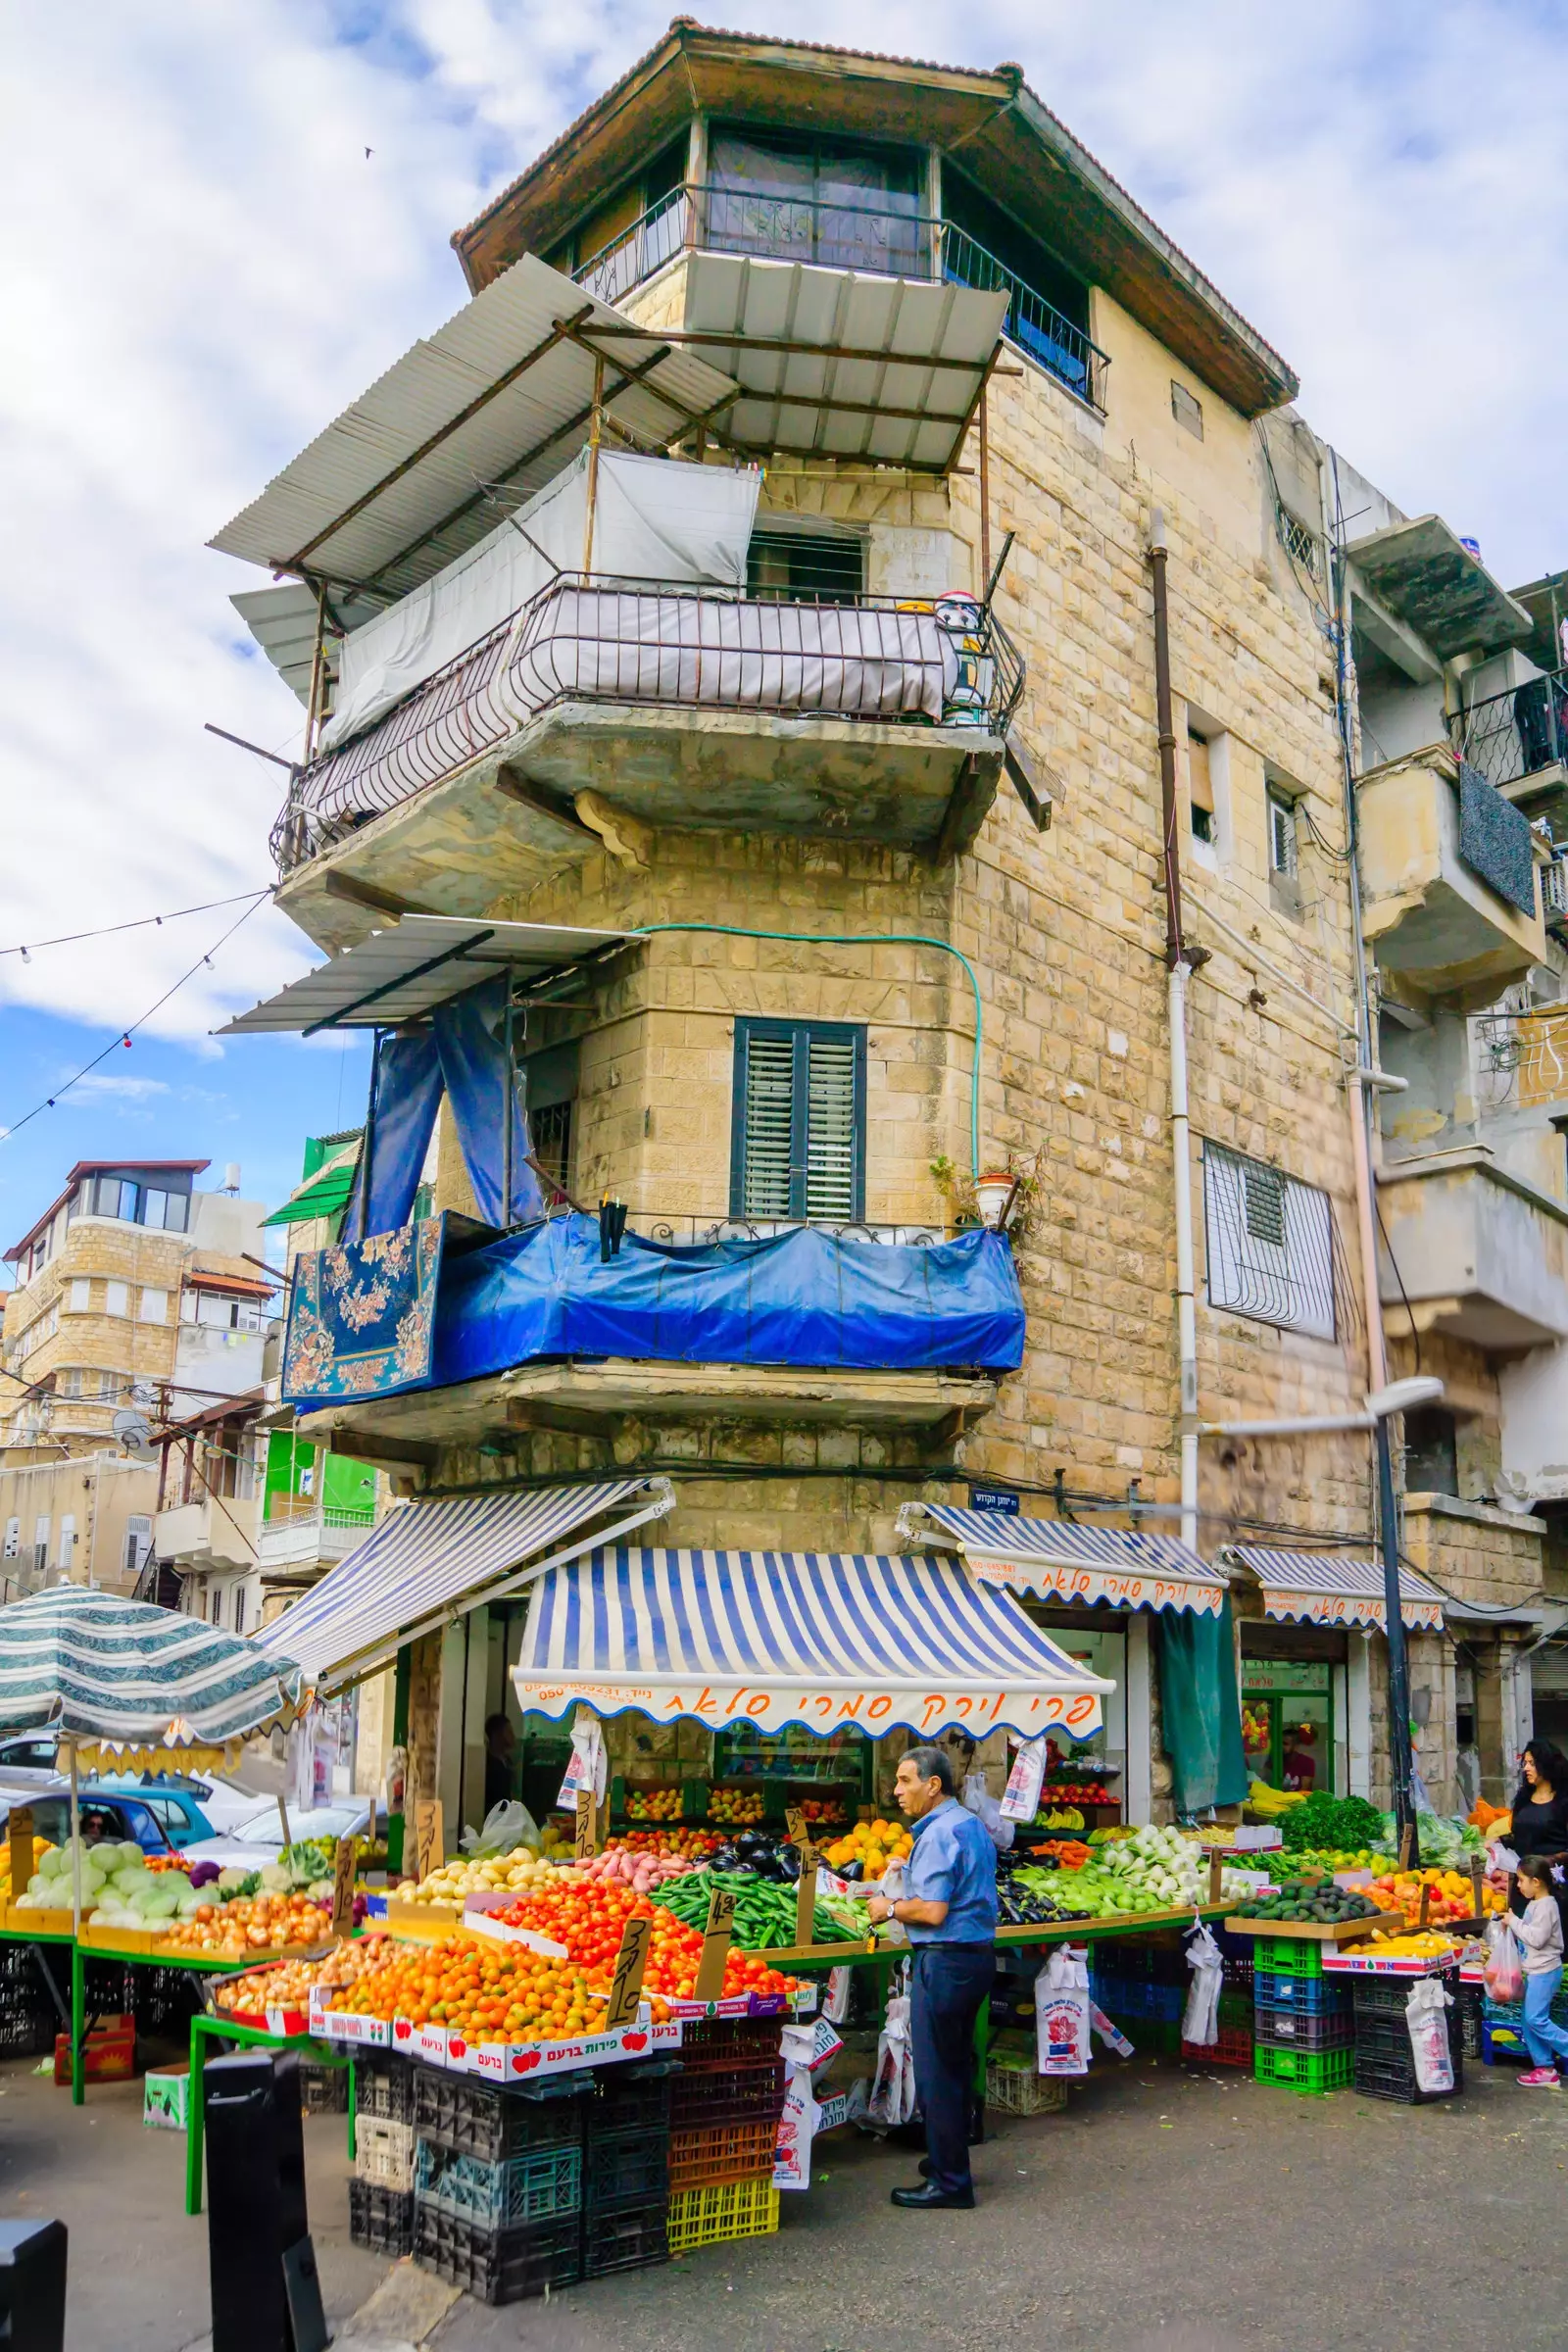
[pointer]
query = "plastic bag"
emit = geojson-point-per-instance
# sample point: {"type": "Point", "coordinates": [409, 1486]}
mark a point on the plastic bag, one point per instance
{"type": "Point", "coordinates": [1504, 1972]}
{"type": "Point", "coordinates": [1425, 2015]}
{"type": "Point", "coordinates": [1200, 2019]}
{"type": "Point", "coordinates": [891, 1884]}
{"type": "Point", "coordinates": [1062, 2012]}
{"type": "Point", "coordinates": [588, 1769]}
{"type": "Point", "coordinates": [978, 1800]}
{"type": "Point", "coordinates": [1022, 1799]}
{"type": "Point", "coordinates": [505, 1827]}
{"type": "Point", "coordinates": [892, 2100]}
{"type": "Point", "coordinates": [1111, 2034]}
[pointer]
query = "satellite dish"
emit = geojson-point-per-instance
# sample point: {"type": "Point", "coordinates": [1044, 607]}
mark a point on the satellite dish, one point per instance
{"type": "Point", "coordinates": [131, 1428]}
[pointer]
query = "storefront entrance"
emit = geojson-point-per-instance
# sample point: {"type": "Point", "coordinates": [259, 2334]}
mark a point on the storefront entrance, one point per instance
{"type": "Point", "coordinates": [1288, 1722]}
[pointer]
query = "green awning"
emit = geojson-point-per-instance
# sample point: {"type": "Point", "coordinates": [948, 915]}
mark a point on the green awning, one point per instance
{"type": "Point", "coordinates": [323, 1199]}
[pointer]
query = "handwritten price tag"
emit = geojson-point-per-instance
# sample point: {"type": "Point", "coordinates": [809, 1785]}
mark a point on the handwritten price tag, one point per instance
{"type": "Point", "coordinates": [710, 1983]}
{"type": "Point", "coordinates": [626, 1985]}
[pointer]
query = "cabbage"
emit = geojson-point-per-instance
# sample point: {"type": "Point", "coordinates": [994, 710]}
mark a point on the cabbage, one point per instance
{"type": "Point", "coordinates": [130, 1851]}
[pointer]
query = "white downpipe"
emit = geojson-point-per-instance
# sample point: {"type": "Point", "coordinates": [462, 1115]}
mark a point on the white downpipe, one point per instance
{"type": "Point", "coordinates": [1186, 1315]}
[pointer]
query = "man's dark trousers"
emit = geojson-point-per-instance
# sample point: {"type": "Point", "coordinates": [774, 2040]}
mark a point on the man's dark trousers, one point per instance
{"type": "Point", "coordinates": [951, 1981]}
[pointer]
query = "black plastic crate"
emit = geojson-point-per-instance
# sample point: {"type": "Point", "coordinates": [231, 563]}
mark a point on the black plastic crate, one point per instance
{"type": "Point", "coordinates": [1288, 2029]}
{"type": "Point", "coordinates": [626, 2241]}
{"type": "Point", "coordinates": [737, 2094]}
{"type": "Point", "coordinates": [28, 2023]}
{"type": "Point", "coordinates": [323, 2089]}
{"type": "Point", "coordinates": [499, 2266]}
{"type": "Point", "coordinates": [1386, 1996]}
{"type": "Point", "coordinates": [383, 2086]}
{"type": "Point", "coordinates": [1468, 2009]}
{"type": "Point", "coordinates": [1386, 2059]}
{"type": "Point", "coordinates": [381, 2218]}
{"type": "Point", "coordinates": [476, 2120]}
{"type": "Point", "coordinates": [633, 2098]}
{"type": "Point", "coordinates": [1382, 2078]}
{"type": "Point", "coordinates": [628, 2168]}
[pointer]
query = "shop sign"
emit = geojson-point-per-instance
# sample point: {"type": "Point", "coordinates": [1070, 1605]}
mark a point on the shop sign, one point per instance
{"type": "Point", "coordinates": [770, 1707]}
{"type": "Point", "coordinates": [1350, 1608]}
{"type": "Point", "coordinates": [1284, 1674]}
{"type": "Point", "coordinates": [993, 1498]}
{"type": "Point", "coordinates": [1123, 1589]}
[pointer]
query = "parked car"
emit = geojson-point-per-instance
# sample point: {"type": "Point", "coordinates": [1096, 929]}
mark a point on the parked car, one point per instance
{"type": "Point", "coordinates": [102, 1815]}
{"type": "Point", "coordinates": [261, 1839]}
{"type": "Point", "coordinates": [170, 1802]}
{"type": "Point", "coordinates": [29, 1759]}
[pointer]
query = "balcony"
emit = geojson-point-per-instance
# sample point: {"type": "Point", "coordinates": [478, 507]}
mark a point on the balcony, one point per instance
{"type": "Point", "coordinates": [1519, 742]}
{"type": "Point", "coordinates": [867, 239]}
{"type": "Point", "coordinates": [1450, 905]}
{"type": "Point", "coordinates": [1475, 1251]}
{"type": "Point", "coordinates": [861, 718]}
{"type": "Point", "coordinates": [213, 1532]}
{"type": "Point", "coordinates": [299, 1534]}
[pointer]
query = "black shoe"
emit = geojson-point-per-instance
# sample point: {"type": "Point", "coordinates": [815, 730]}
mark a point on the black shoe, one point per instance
{"type": "Point", "coordinates": [936, 2200]}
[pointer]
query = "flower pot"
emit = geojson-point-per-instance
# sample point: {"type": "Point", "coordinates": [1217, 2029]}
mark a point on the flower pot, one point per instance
{"type": "Point", "coordinates": [992, 1193]}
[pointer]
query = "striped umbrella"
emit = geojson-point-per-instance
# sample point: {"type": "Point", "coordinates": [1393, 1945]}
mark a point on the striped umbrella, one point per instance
{"type": "Point", "coordinates": [126, 1684]}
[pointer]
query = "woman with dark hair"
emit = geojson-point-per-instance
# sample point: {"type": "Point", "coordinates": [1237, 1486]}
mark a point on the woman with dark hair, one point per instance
{"type": "Point", "coordinates": [1540, 1808]}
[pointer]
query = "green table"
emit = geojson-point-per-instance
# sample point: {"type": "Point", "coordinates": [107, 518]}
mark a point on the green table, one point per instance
{"type": "Point", "coordinates": [206, 2028]}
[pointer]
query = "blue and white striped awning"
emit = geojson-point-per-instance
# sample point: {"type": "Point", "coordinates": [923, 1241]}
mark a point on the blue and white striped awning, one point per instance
{"type": "Point", "coordinates": [825, 1639]}
{"type": "Point", "coordinates": [1326, 1588]}
{"type": "Point", "coordinates": [138, 1682]}
{"type": "Point", "coordinates": [429, 1562]}
{"type": "Point", "coordinates": [1061, 1560]}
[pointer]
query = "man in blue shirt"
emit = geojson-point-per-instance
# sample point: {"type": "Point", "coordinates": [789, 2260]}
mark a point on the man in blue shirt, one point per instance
{"type": "Point", "coordinates": [950, 1912]}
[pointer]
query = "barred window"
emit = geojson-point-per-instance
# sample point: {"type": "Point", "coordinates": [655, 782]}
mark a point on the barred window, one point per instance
{"type": "Point", "coordinates": [1270, 1244]}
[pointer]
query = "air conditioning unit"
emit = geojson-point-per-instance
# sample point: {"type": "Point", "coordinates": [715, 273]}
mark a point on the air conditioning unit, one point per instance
{"type": "Point", "coordinates": [1555, 891]}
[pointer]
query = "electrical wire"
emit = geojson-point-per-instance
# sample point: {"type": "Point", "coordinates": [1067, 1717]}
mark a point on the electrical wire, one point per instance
{"type": "Point", "coordinates": [143, 922]}
{"type": "Point", "coordinates": [123, 1037]}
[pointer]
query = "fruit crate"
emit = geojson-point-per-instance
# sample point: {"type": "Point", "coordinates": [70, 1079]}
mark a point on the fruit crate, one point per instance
{"type": "Point", "coordinates": [1382, 2051]}
{"type": "Point", "coordinates": [631, 2099]}
{"type": "Point", "coordinates": [497, 2266]}
{"type": "Point", "coordinates": [1016, 2088]}
{"type": "Point", "coordinates": [1153, 2037]}
{"type": "Point", "coordinates": [1291, 2029]}
{"type": "Point", "coordinates": [1236, 2007]}
{"type": "Point", "coordinates": [535, 2186]}
{"type": "Point", "coordinates": [1309, 2071]}
{"type": "Point", "coordinates": [1504, 2043]}
{"type": "Point", "coordinates": [706, 2158]}
{"type": "Point", "coordinates": [1386, 1996]}
{"type": "Point", "coordinates": [1237, 1954]}
{"type": "Point", "coordinates": [1130, 1998]}
{"type": "Point", "coordinates": [730, 2041]}
{"type": "Point", "coordinates": [383, 2086]}
{"type": "Point", "coordinates": [728, 2094]}
{"type": "Point", "coordinates": [1326, 1996]}
{"type": "Point", "coordinates": [1288, 1955]}
{"type": "Point", "coordinates": [1155, 1959]}
{"type": "Point", "coordinates": [630, 2240]}
{"type": "Point", "coordinates": [714, 2216]}
{"type": "Point", "coordinates": [472, 2119]}
{"type": "Point", "coordinates": [1468, 2009]}
{"type": "Point", "coordinates": [380, 2219]}
{"type": "Point", "coordinates": [323, 2089]}
{"type": "Point", "coordinates": [625, 2167]}
{"type": "Point", "coordinates": [1234, 2047]}
{"type": "Point", "coordinates": [383, 2152]}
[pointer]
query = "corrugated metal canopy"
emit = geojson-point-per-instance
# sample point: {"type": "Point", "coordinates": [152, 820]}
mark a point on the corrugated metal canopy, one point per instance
{"type": "Point", "coordinates": [282, 621]}
{"type": "Point", "coordinates": [464, 427]}
{"type": "Point", "coordinates": [399, 973]}
{"type": "Point", "coordinates": [807, 399]}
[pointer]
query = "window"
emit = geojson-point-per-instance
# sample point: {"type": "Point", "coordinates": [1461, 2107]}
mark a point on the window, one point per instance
{"type": "Point", "coordinates": [1431, 1452]}
{"type": "Point", "coordinates": [168, 1210]}
{"type": "Point", "coordinates": [798, 1148]}
{"type": "Point", "coordinates": [68, 1540]}
{"type": "Point", "coordinates": [239, 1608]}
{"type": "Point", "coordinates": [801, 567]}
{"type": "Point", "coordinates": [154, 1306]}
{"type": "Point", "coordinates": [40, 1543]}
{"type": "Point", "coordinates": [1187, 412]}
{"type": "Point", "coordinates": [1200, 786]}
{"type": "Point", "coordinates": [110, 1384]}
{"type": "Point", "coordinates": [117, 1298]}
{"type": "Point", "coordinates": [115, 1197]}
{"type": "Point", "coordinates": [808, 199]}
{"type": "Point", "coordinates": [1270, 1244]}
{"type": "Point", "coordinates": [68, 1381]}
{"type": "Point", "coordinates": [13, 1543]}
{"type": "Point", "coordinates": [218, 1604]}
{"type": "Point", "coordinates": [80, 1294]}
{"type": "Point", "coordinates": [1281, 811]}
{"type": "Point", "coordinates": [551, 1129]}
{"type": "Point", "coordinates": [138, 1543]}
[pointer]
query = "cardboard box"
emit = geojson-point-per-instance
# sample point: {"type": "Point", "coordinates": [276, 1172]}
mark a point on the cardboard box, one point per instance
{"type": "Point", "coordinates": [109, 2056]}
{"type": "Point", "coordinates": [166, 2102]}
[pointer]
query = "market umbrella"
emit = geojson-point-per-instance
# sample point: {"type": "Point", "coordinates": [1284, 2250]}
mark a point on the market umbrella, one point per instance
{"type": "Point", "coordinates": [126, 1684]}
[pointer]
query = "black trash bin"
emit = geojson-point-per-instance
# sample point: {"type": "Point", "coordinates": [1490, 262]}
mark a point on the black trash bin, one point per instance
{"type": "Point", "coordinates": [32, 2286]}
{"type": "Point", "coordinates": [265, 2295]}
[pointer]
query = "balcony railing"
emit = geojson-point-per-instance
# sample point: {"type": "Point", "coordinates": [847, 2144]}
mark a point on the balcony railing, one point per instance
{"type": "Point", "coordinates": [883, 241]}
{"type": "Point", "coordinates": [585, 639]}
{"type": "Point", "coordinates": [300, 1510]}
{"type": "Point", "coordinates": [1513, 735]}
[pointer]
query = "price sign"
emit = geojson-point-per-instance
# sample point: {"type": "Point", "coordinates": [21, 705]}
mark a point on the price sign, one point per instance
{"type": "Point", "coordinates": [720, 1931]}
{"type": "Point", "coordinates": [1216, 1866]}
{"type": "Point", "coordinates": [587, 1838]}
{"type": "Point", "coordinates": [1477, 1898]}
{"type": "Point", "coordinates": [430, 1837]}
{"type": "Point", "coordinates": [627, 1981]}
{"type": "Point", "coordinates": [805, 1898]}
{"type": "Point", "coordinates": [343, 1886]}
{"type": "Point", "coordinates": [795, 1826]}
{"type": "Point", "coordinates": [21, 1850]}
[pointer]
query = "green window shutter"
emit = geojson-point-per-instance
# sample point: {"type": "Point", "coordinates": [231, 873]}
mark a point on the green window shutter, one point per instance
{"type": "Point", "coordinates": [799, 1142]}
{"type": "Point", "coordinates": [831, 1138]}
{"type": "Point", "coordinates": [768, 1115]}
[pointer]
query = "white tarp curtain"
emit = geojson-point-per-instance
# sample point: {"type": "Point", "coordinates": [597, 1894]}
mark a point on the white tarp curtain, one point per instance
{"type": "Point", "coordinates": [654, 518]}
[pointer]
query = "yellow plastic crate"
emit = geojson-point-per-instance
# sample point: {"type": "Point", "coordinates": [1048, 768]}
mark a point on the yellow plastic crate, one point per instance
{"type": "Point", "coordinates": [712, 2217]}
{"type": "Point", "coordinates": [1013, 2087]}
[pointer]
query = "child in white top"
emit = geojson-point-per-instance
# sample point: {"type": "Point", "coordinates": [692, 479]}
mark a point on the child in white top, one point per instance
{"type": "Point", "coordinates": [1540, 1933]}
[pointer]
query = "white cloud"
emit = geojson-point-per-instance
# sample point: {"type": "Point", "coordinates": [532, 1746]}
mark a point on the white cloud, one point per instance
{"type": "Point", "coordinates": [101, 1086]}
{"type": "Point", "coordinates": [203, 266]}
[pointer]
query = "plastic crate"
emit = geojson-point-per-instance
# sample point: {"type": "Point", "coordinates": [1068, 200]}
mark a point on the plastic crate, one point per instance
{"type": "Point", "coordinates": [383, 2152]}
{"type": "Point", "coordinates": [536, 2186]}
{"type": "Point", "coordinates": [1235, 2006]}
{"type": "Point", "coordinates": [728, 2094]}
{"type": "Point", "coordinates": [1467, 2009]}
{"type": "Point", "coordinates": [27, 2020]}
{"type": "Point", "coordinates": [381, 2218]}
{"type": "Point", "coordinates": [1129, 1997]}
{"type": "Point", "coordinates": [1382, 2041]}
{"type": "Point", "coordinates": [730, 2041]}
{"type": "Point", "coordinates": [1232, 2048]}
{"type": "Point", "coordinates": [714, 2216]}
{"type": "Point", "coordinates": [1288, 1955]}
{"type": "Point", "coordinates": [1502, 2042]}
{"type": "Point", "coordinates": [1021, 2090]}
{"type": "Point", "coordinates": [1379, 2077]}
{"type": "Point", "coordinates": [1153, 2035]}
{"type": "Point", "coordinates": [472, 2119]}
{"type": "Point", "coordinates": [629, 2239]}
{"type": "Point", "coordinates": [383, 2086]}
{"type": "Point", "coordinates": [166, 1999]}
{"type": "Point", "coordinates": [1386, 1996]}
{"type": "Point", "coordinates": [1291, 2029]}
{"type": "Point", "coordinates": [705, 2158]}
{"type": "Point", "coordinates": [497, 2266]}
{"type": "Point", "coordinates": [1327, 1995]}
{"type": "Point", "coordinates": [1309, 2071]}
{"type": "Point", "coordinates": [629, 2168]}
{"type": "Point", "coordinates": [633, 2098]}
{"type": "Point", "coordinates": [323, 2089]}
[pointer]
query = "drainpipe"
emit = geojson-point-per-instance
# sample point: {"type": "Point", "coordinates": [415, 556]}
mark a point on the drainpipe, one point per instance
{"type": "Point", "coordinates": [1181, 960]}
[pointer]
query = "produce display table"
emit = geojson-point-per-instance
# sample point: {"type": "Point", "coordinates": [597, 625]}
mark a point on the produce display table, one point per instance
{"type": "Point", "coordinates": [206, 2028]}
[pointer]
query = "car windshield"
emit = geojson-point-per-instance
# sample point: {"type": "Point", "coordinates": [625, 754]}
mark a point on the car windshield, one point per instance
{"type": "Point", "coordinates": [328, 1821]}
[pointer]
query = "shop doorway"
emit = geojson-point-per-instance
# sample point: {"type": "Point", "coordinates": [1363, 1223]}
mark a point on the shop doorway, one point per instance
{"type": "Point", "coordinates": [1288, 1722]}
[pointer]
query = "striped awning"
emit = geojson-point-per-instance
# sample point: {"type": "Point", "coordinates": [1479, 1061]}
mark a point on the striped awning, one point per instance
{"type": "Point", "coordinates": [1326, 1588]}
{"type": "Point", "coordinates": [1061, 1560]}
{"type": "Point", "coordinates": [136, 1681]}
{"type": "Point", "coordinates": [430, 1562]}
{"type": "Point", "coordinates": [828, 1639]}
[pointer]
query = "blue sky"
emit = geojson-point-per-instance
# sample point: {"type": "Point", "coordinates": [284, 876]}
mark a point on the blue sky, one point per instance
{"type": "Point", "coordinates": [204, 264]}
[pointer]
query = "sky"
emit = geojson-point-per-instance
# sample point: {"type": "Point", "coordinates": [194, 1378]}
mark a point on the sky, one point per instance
{"type": "Point", "coordinates": [220, 223]}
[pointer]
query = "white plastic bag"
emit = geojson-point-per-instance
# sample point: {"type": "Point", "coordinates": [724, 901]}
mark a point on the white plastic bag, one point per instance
{"type": "Point", "coordinates": [1062, 2012]}
{"type": "Point", "coordinates": [890, 1886]}
{"type": "Point", "coordinates": [588, 1769]}
{"type": "Point", "coordinates": [978, 1800]}
{"type": "Point", "coordinates": [836, 2007]}
{"type": "Point", "coordinates": [1200, 2019]}
{"type": "Point", "coordinates": [1111, 2034]}
{"type": "Point", "coordinates": [892, 2099]}
{"type": "Point", "coordinates": [1504, 1972]}
{"type": "Point", "coordinates": [1022, 1799]}
{"type": "Point", "coordinates": [1425, 2015]}
{"type": "Point", "coordinates": [506, 1827]}
{"type": "Point", "coordinates": [797, 2129]}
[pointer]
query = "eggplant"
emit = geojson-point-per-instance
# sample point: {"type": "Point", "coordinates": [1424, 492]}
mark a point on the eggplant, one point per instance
{"type": "Point", "coordinates": [852, 1873]}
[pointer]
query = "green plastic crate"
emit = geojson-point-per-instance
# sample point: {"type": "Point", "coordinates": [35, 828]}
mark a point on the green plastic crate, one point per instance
{"type": "Point", "coordinates": [1288, 1955]}
{"type": "Point", "coordinates": [1309, 2071]}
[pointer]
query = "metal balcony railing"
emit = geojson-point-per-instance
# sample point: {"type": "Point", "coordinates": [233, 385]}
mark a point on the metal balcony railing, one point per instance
{"type": "Point", "coordinates": [588, 639]}
{"type": "Point", "coordinates": [304, 1511]}
{"type": "Point", "coordinates": [685, 1229]}
{"type": "Point", "coordinates": [1516, 734]}
{"type": "Point", "coordinates": [884, 241]}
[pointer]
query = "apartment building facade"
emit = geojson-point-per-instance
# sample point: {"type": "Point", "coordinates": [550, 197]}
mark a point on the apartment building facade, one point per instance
{"type": "Point", "coordinates": [808, 944]}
